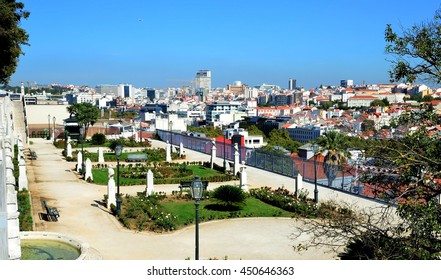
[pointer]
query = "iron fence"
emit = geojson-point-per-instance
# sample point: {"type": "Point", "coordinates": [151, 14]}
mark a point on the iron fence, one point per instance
{"type": "Point", "coordinates": [343, 178]}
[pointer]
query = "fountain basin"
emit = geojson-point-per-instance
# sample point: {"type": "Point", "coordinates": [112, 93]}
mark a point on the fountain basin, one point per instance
{"type": "Point", "coordinates": [37, 245]}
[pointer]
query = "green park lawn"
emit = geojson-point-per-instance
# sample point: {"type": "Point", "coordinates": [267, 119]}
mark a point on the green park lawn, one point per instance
{"type": "Point", "coordinates": [208, 210]}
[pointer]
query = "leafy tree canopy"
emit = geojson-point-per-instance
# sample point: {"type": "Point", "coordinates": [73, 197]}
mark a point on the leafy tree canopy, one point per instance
{"type": "Point", "coordinates": [210, 131]}
{"type": "Point", "coordinates": [416, 51]}
{"type": "Point", "coordinates": [86, 114]}
{"type": "Point", "coordinates": [12, 37]}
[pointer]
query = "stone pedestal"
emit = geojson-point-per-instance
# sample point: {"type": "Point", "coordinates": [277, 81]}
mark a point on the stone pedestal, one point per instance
{"type": "Point", "coordinates": [168, 152]}
{"type": "Point", "coordinates": [69, 150]}
{"type": "Point", "coordinates": [236, 159]}
{"type": "Point", "coordinates": [298, 184]}
{"type": "Point", "coordinates": [111, 193]}
{"type": "Point", "coordinates": [88, 174]}
{"type": "Point", "coordinates": [213, 153]}
{"type": "Point", "coordinates": [243, 178]}
{"type": "Point", "coordinates": [111, 187]}
{"type": "Point", "coordinates": [23, 178]}
{"type": "Point", "coordinates": [181, 149]}
{"type": "Point", "coordinates": [100, 155]}
{"type": "Point", "coordinates": [79, 161]}
{"type": "Point", "coordinates": [149, 187]}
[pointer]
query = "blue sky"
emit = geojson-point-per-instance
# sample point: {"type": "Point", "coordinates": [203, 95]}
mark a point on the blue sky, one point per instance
{"type": "Point", "coordinates": [161, 43]}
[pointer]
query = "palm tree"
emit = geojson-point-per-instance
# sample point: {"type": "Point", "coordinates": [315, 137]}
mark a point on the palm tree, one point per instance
{"type": "Point", "coordinates": [335, 143]}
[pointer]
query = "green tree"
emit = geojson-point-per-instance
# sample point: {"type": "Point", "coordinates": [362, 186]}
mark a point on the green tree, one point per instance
{"type": "Point", "coordinates": [326, 104]}
{"type": "Point", "coordinates": [210, 131]}
{"type": "Point", "coordinates": [408, 170]}
{"type": "Point", "coordinates": [86, 114]}
{"type": "Point", "coordinates": [254, 130]}
{"type": "Point", "coordinates": [280, 137]}
{"type": "Point", "coordinates": [416, 51]}
{"type": "Point", "coordinates": [368, 125]}
{"type": "Point", "coordinates": [12, 37]}
{"type": "Point", "coordinates": [336, 146]}
{"type": "Point", "coordinates": [377, 102]}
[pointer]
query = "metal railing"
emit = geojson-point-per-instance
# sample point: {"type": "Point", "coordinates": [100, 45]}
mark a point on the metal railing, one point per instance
{"type": "Point", "coordinates": [341, 178]}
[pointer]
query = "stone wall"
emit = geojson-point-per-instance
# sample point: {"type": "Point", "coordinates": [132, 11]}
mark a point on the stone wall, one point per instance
{"type": "Point", "coordinates": [9, 223]}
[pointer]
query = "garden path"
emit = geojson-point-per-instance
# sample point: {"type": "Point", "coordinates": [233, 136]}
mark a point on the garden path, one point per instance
{"type": "Point", "coordinates": [83, 217]}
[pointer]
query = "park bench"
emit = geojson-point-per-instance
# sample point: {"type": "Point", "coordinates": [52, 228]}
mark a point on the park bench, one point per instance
{"type": "Point", "coordinates": [32, 154]}
{"type": "Point", "coordinates": [51, 212]}
{"type": "Point", "coordinates": [187, 185]}
{"type": "Point", "coordinates": [136, 157]}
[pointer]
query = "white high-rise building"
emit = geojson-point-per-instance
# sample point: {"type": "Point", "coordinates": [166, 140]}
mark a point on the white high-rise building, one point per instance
{"type": "Point", "coordinates": [125, 90]}
{"type": "Point", "coordinates": [203, 81]}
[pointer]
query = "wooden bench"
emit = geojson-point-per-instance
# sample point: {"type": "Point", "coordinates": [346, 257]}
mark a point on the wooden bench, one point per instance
{"type": "Point", "coordinates": [187, 185]}
{"type": "Point", "coordinates": [51, 212]}
{"type": "Point", "coordinates": [136, 157]}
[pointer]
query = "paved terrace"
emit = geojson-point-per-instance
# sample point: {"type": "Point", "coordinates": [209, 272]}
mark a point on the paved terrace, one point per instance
{"type": "Point", "coordinates": [53, 179]}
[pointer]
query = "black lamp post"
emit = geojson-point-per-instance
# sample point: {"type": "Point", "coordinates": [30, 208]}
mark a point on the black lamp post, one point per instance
{"type": "Point", "coordinates": [82, 132]}
{"type": "Point", "coordinates": [118, 152]}
{"type": "Point", "coordinates": [197, 189]}
{"type": "Point", "coordinates": [49, 127]}
{"type": "Point", "coordinates": [315, 149]}
{"type": "Point", "coordinates": [54, 119]}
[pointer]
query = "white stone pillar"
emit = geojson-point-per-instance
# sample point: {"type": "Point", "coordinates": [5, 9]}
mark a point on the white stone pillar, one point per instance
{"type": "Point", "coordinates": [243, 178]}
{"type": "Point", "coordinates": [236, 159]}
{"type": "Point", "coordinates": [100, 155]}
{"type": "Point", "coordinates": [23, 178]}
{"type": "Point", "coordinates": [298, 184]}
{"type": "Point", "coordinates": [181, 149]}
{"type": "Point", "coordinates": [79, 161]}
{"type": "Point", "coordinates": [111, 187]}
{"type": "Point", "coordinates": [213, 153]}
{"type": "Point", "coordinates": [168, 152]}
{"type": "Point", "coordinates": [149, 187]}
{"type": "Point", "coordinates": [88, 174]}
{"type": "Point", "coordinates": [69, 150]}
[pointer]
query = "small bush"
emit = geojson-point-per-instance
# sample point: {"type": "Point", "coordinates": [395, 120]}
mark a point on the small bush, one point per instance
{"type": "Point", "coordinates": [98, 139]}
{"type": "Point", "coordinates": [229, 195]}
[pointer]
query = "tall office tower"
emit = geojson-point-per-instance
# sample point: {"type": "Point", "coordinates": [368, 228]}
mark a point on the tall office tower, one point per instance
{"type": "Point", "coordinates": [203, 81]}
{"type": "Point", "coordinates": [292, 84]}
{"type": "Point", "coordinates": [346, 83]}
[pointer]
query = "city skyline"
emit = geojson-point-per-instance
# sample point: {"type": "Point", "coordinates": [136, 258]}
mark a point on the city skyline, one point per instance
{"type": "Point", "coordinates": [163, 44]}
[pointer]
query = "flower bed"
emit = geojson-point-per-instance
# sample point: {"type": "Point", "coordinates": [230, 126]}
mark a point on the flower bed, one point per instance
{"type": "Point", "coordinates": [283, 199]}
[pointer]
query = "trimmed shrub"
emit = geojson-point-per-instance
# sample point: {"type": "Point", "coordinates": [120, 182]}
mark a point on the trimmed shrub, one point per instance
{"type": "Point", "coordinates": [229, 195]}
{"type": "Point", "coordinates": [98, 139]}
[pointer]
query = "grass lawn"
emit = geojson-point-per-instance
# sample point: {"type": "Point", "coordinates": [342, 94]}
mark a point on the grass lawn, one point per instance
{"type": "Point", "coordinates": [185, 211]}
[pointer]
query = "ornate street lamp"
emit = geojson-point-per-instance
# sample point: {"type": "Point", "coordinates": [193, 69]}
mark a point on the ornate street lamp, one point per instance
{"type": "Point", "coordinates": [118, 152]}
{"type": "Point", "coordinates": [54, 119]}
{"type": "Point", "coordinates": [197, 189]}
{"type": "Point", "coordinates": [315, 149]}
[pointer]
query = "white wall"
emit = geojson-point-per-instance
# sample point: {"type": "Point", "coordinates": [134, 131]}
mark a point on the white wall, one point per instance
{"type": "Point", "coordinates": [38, 114]}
